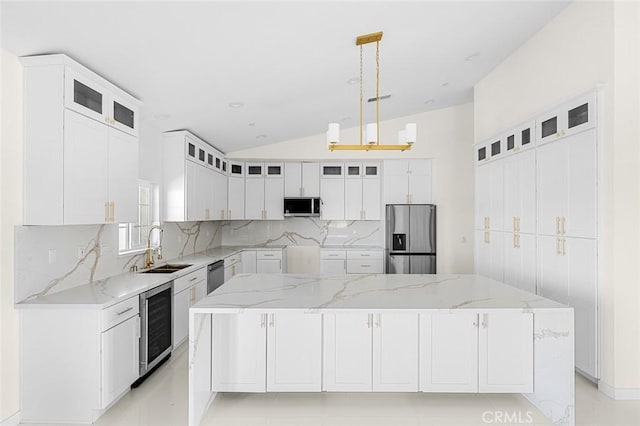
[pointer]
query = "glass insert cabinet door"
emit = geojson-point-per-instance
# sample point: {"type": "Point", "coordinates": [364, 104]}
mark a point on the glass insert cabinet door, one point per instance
{"type": "Point", "coordinates": [85, 96]}
{"type": "Point", "coordinates": [123, 114]}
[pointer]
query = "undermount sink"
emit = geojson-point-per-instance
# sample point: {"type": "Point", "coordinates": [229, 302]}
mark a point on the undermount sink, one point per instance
{"type": "Point", "coordinates": [166, 269]}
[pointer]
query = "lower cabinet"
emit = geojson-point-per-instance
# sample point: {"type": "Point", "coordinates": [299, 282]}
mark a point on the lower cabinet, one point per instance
{"type": "Point", "coordinates": [488, 353]}
{"type": "Point", "coordinates": [371, 352]}
{"type": "Point", "coordinates": [266, 352]}
{"type": "Point", "coordinates": [248, 260]}
{"type": "Point", "coordinates": [269, 261]}
{"type": "Point", "coordinates": [120, 362]}
{"type": "Point", "coordinates": [187, 291]}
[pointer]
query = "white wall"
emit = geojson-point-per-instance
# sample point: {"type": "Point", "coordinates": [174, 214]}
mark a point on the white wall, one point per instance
{"type": "Point", "coordinates": [589, 45]}
{"type": "Point", "coordinates": [10, 215]}
{"type": "Point", "coordinates": [446, 136]}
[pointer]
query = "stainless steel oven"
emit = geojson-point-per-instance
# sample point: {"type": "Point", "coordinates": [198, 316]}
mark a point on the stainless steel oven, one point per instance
{"type": "Point", "coordinates": [156, 327]}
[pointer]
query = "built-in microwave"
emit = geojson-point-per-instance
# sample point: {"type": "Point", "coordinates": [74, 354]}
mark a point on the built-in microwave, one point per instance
{"type": "Point", "coordinates": [302, 206]}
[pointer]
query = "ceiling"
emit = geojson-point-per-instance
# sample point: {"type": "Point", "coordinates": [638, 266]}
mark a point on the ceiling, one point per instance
{"type": "Point", "coordinates": [289, 64]}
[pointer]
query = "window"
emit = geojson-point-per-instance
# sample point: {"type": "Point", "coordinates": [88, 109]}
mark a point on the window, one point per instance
{"type": "Point", "coordinates": [133, 236]}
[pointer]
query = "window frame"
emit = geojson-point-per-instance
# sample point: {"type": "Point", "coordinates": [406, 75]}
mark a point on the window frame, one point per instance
{"type": "Point", "coordinates": [128, 230]}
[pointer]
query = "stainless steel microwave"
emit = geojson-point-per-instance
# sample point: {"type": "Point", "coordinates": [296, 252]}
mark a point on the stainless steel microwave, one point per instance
{"type": "Point", "coordinates": [302, 206]}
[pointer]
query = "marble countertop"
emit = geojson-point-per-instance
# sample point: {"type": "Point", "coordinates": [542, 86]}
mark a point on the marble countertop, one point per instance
{"type": "Point", "coordinates": [314, 293]}
{"type": "Point", "coordinates": [105, 292]}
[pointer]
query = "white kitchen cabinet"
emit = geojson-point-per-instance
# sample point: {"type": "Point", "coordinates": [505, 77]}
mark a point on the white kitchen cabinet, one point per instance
{"type": "Point", "coordinates": [187, 291]}
{"type": "Point", "coordinates": [302, 179]}
{"type": "Point", "coordinates": [449, 352]}
{"type": "Point", "coordinates": [269, 261]}
{"type": "Point", "coordinates": [86, 155]}
{"type": "Point", "coordinates": [505, 353]}
{"type": "Point", "coordinates": [193, 188]}
{"type": "Point", "coordinates": [70, 143]}
{"type": "Point", "coordinates": [407, 181]}
{"type": "Point", "coordinates": [264, 191]}
{"type": "Point", "coordinates": [362, 191]}
{"type": "Point", "coordinates": [120, 359]}
{"type": "Point", "coordinates": [365, 352]}
{"type": "Point", "coordinates": [100, 172]}
{"type": "Point", "coordinates": [520, 267]}
{"type": "Point", "coordinates": [266, 352]}
{"type": "Point", "coordinates": [520, 138]}
{"type": "Point", "coordinates": [239, 345]}
{"type": "Point", "coordinates": [333, 262]}
{"type": "Point", "coordinates": [476, 352]}
{"type": "Point", "coordinates": [294, 353]}
{"type": "Point", "coordinates": [236, 195]}
{"type": "Point", "coordinates": [365, 262]}
{"type": "Point", "coordinates": [347, 360]}
{"type": "Point", "coordinates": [332, 191]}
{"type": "Point", "coordinates": [219, 195]}
{"type": "Point", "coordinates": [568, 119]}
{"type": "Point", "coordinates": [490, 196]}
{"type": "Point", "coordinates": [395, 352]}
{"type": "Point", "coordinates": [249, 261]}
{"type": "Point", "coordinates": [567, 175]}
{"type": "Point", "coordinates": [519, 182]}
{"type": "Point", "coordinates": [567, 273]}
{"type": "Point", "coordinates": [232, 266]}
{"type": "Point", "coordinates": [490, 254]}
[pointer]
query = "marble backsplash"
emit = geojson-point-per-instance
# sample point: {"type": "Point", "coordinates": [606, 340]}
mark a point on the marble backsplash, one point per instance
{"type": "Point", "coordinates": [303, 231]}
{"type": "Point", "coordinates": [48, 257]}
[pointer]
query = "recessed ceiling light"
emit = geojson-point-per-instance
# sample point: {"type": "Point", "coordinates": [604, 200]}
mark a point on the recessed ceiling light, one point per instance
{"type": "Point", "coordinates": [353, 80]}
{"type": "Point", "coordinates": [261, 136]}
{"type": "Point", "coordinates": [162, 116]}
{"type": "Point", "coordinates": [429, 101]}
{"type": "Point", "coordinates": [472, 56]}
{"type": "Point", "coordinates": [251, 124]}
{"type": "Point", "coordinates": [445, 84]}
{"type": "Point", "coordinates": [236, 104]}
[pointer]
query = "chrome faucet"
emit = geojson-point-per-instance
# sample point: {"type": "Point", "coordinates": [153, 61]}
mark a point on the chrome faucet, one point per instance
{"type": "Point", "coordinates": [149, 251]}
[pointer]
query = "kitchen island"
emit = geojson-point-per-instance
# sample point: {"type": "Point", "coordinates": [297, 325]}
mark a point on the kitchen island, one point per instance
{"type": "Point", "coordinates": [381, 333]}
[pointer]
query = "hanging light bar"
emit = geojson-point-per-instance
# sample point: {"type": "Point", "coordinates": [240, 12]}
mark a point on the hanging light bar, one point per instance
{"type": "Point", "coordinates": [370, 140]}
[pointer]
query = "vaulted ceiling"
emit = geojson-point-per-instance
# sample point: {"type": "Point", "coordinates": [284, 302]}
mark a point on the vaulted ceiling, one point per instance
{"type": "Point", "coordinates": [242, 74]}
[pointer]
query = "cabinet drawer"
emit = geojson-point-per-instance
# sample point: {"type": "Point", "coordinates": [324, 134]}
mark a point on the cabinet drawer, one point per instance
{"type": "Point", "coordinates": [364, 254]}
{"type": "Point", "coordinates": [373, 266]}
{"type": "Point", "coordinates": [269, 254]}
{"type": "Point", "coordinates": [333, 254]}
{"type": "Point", "coordinates": [230, 260]}
{"type": "Point", "coordinates": [182, 283]}
{"type": "Point", "coordinates": [120, 312]}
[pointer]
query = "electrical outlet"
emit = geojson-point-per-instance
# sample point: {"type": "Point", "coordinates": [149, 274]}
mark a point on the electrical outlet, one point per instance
{"type": "Point", "coordinates": [53, 256]}
{"type": "Point", "coordinates": [81, 252]}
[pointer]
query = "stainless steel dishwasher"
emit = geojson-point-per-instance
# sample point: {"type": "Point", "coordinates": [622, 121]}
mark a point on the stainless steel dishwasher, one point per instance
{"type": "Point", "coordinates": [215, 275]}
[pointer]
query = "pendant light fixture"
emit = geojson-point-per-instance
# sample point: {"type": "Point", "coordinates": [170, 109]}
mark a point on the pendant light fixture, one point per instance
{"type": "Point", "coordinates": [370, 139]}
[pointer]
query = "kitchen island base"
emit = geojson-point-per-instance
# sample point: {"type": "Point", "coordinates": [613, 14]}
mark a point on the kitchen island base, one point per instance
{"type": "Point", "coordinates": [525, 347]}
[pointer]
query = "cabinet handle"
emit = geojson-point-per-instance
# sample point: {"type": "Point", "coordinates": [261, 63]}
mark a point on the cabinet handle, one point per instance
{"type": "Point", "coordinates": [365, 266]}
{"type": "Point", "coordinates": [268, 255]}
{"type": "Point", "coordinates": [272, 323]}
{"type": "Point", "coordinates": [112, 210]}
{"type": "Point", "coordinates": [558, 252]}
{"type": "Point", "coordinates": [518, 217]}
{"type": "Point", "coordinates": [106, 211]}
{"type": "Point", "coordinates": [125, 311]}
{"type": "Point", "coordinates": [564, 253]}
{"type": "Point", "coordinates": [369, 320]}
{"type": "Point", "coordinates": [515, 243]}
{"type": "Point", "coordinates": [557, 225]}
{"type": "Point", "coordinates": [263, 320]}
{"type": "Point", "coordinates": [193, 279]}
{"type": "Point", "coordinates": [486, 237]}
{"type": "Point", "coordinates": [562, 225]}
{"type": "Point", "coordinates": [485, 320]}
{"type": "Point", "coordinates": [518, 240]}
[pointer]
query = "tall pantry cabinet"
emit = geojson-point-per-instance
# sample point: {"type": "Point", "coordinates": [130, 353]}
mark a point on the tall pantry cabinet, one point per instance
{"type": "Point", "coordinates": [536, 214]}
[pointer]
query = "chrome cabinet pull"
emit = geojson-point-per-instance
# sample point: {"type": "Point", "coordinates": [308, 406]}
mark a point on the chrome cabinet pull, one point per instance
{"type": "Point", "coordinates": [263, 320]}
{"type": "Point", "coordinates": [125, 311]}
{"type": "Point", "coordinates": [193, 279]}
{"type": "Point", "coordinates": [485, 320]}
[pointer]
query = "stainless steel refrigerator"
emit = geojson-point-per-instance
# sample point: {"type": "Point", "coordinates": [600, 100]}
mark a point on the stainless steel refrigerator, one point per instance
{"type": "Point", "coordinates": [411, 239]}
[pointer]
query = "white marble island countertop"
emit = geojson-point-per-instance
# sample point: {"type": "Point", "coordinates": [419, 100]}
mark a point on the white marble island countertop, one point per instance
{"type": "Point", "coordinates": [314, 293]}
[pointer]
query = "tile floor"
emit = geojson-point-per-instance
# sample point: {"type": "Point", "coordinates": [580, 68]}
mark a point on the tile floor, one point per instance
{"type": "Point", "coordinates": [162, 400]}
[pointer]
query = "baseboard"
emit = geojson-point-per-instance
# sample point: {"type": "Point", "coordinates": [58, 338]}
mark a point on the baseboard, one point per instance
{"type": "Point", "coordinates": [619, 394]}
{"type": "Point", "coordinates": [13, 420]}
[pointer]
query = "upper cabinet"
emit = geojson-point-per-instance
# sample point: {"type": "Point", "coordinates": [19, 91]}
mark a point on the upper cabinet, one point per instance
{"type": "Point", "coordinates": [195, 185]}
{"type": "Point", "coordinates": [264, 191]}
{"type": "Point", "coordinates": [362, 191]}
{"type": "Point", "coordinates": [332, 186]}
{"type": "Point", "coordinates": [302, 179]}
{"type": "Point", "coordinates": [80, 140]}
{"type": "Point", "coordinates": [87, 96]}
{"type": "Point", "coordinates": [570, 118]}
{"type": "Point", "coordinates": [407, 181]}
{"type": "Point", "coordinates": [235, 205]}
